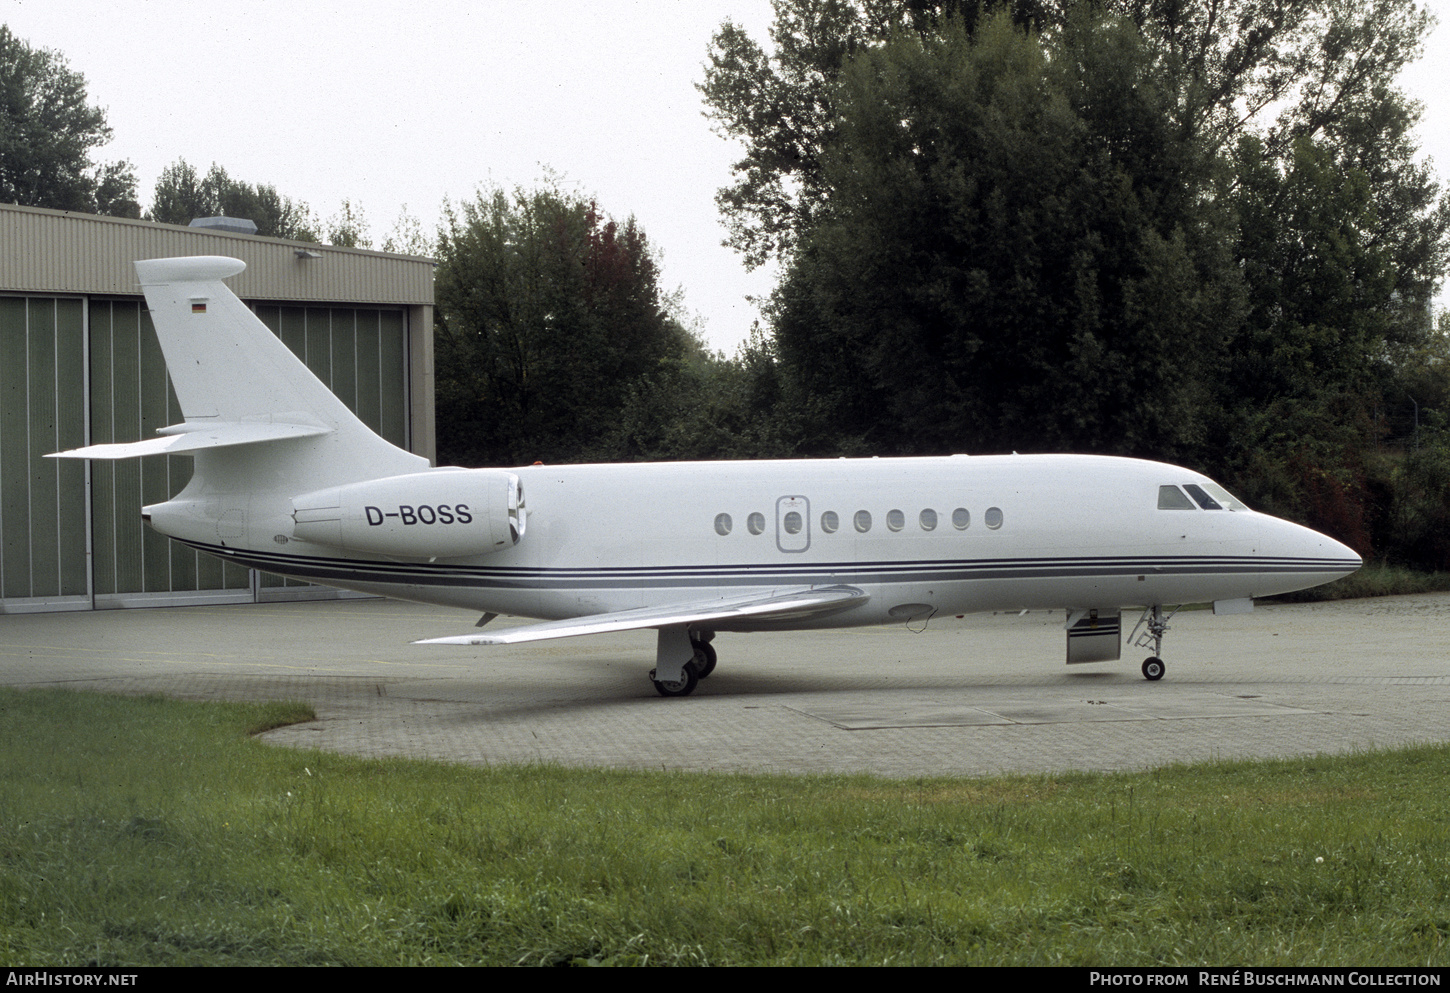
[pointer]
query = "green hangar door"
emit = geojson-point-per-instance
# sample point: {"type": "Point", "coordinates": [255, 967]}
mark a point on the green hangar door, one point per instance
{"type": "Point", "coordinates": [42, 501]}
{"type": "Point", "coordinates": [75, 372]}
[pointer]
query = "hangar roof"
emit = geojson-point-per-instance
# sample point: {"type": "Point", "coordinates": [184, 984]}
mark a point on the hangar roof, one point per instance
{"type": "Point", "coordinates": [58, 251]}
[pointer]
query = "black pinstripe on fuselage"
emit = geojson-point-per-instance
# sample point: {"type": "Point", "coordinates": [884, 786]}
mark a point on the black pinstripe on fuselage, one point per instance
{"type": "Point", "coordinates": [342, 571]}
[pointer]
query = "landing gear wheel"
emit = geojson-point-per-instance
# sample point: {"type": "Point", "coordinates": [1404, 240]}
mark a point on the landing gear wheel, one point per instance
{"type": "Point", "coordinates": [704, 661]}
{"type": "Point", "coordinates": [1153, 668]}
{"type": "Point", "coordinates": [683, 686]}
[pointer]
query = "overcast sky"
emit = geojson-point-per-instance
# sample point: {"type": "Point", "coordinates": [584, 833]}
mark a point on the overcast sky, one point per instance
{"type": "Point", "coordinates": [389, 103]}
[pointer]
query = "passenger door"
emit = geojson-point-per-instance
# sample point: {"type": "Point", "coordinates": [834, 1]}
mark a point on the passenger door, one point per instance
{"type": "Point", "coordinates": [792, 524]}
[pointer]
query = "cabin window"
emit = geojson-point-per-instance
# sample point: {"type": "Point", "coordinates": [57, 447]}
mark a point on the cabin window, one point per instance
{"type": "Point", "coordinates": [723, 524]}
{"type": "Point", "coordinates": [756, 523]}
{"type": "Point", "coordinates": [830, 523]}
{"type": "Point", "coordinates": [928, 520]}
{"type": "Point", "coordinates": [791, 522]}
{"type": "Point", "coordinates": [895, 520]}
{"type": "Point", "coordinates": [1172, 498]}
{"type": "Point", "coordinates": [961, 518]}
{"type": "Point", "coordinates": [993, 517]}
{"type": "Point", "coordinates": [863, 521]}
{"type": "Point", "coordinates": [1204, 500]}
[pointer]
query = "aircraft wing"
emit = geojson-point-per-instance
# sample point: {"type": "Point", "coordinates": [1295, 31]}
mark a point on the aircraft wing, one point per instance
{"type": "Point", "coordinates": [787, 604]}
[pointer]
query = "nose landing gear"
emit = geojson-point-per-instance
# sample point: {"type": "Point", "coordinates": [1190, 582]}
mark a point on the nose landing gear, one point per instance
{"type": "Point", "coordinates": [1154, 624]}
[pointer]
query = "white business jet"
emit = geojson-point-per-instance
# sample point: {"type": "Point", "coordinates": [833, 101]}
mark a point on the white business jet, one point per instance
{"type": "Point", "coordinates": [287, 480]}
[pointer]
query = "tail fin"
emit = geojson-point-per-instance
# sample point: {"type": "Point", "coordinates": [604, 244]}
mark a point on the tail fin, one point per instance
{"type": "Point", "coordinates": [239, 385]}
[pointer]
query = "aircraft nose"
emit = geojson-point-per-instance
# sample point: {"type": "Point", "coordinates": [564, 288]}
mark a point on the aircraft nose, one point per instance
{"type": "Point", "coordinates": [1297, 557]}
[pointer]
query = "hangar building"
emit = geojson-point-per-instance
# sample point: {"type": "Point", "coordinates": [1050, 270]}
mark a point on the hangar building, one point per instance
{"type": "Point", "coordinates": [80, 365]}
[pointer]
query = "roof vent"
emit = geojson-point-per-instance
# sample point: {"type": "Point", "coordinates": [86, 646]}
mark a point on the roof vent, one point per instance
{"type": "Point", "coordinates": [231, 225]}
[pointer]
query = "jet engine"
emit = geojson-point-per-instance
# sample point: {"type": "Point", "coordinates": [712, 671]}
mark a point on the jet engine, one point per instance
{"type": "Point", "coordinates": [442, 513]}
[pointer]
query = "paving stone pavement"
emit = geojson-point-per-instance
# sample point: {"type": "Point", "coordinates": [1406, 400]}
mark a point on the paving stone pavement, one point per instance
{"type": "Point", "coordinates": [976, 696]}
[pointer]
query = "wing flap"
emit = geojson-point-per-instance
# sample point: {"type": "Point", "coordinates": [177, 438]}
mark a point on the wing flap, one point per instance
{"type": "Point", "coordinates": [788, 604]}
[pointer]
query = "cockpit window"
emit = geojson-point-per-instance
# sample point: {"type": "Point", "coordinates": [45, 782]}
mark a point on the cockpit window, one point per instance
{"type": "Point", "coordinates": [1224, 497]}
{"type": "Point", "coordinates": [1203, 499]}
{"type": "Point", "coordinates": [1172, 498]}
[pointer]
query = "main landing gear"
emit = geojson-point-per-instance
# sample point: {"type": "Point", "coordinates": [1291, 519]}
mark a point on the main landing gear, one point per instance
{"type": "Point", "coordinates": [1154, 624]}
{"type": "Point", "coordinates": [700, 664]}
{"type": "Point", "coordinates": [704, 660]}
{"type": "Point", "coordinates": [683, 686]}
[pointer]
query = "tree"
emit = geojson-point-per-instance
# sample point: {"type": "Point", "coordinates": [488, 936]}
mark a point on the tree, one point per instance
{"type": "Point", "coordinates": [1181, 228]}
{"type": "Point", "coordinates": [550, 323]}
{"type": "Point", "coordinates": [407, 236]}
{"type": "Point", "coordinates": [782, 105]}
{"type": "Point", "coordinates": [1226, 63]}
{"type": "Point", "coordinates": [48, 129]}
{"type": "Point", "coordinates": [1342, 241]}
{"type": "Point", "coordinates": [348, 228]}
{"type": "Point", "coordinates": [1014, 252]}
{"type": "Point", "coordinates": [183, 195]}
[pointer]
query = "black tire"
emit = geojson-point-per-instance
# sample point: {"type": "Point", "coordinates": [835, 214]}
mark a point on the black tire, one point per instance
{"type": "Point", "coordinates": [704, 661]}
{"type": "Point", "coordinates": [1153, 668]}
{"type": "Point", "coordinates": [684, 687]}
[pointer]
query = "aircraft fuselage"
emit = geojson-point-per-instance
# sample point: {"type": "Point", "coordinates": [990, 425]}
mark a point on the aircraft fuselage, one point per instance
{"type": "Point", "coordinates": [949, 535]}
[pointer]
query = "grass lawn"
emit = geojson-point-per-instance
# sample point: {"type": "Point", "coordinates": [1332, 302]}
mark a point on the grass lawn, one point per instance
{"type": "Point", "coordinates": [146, 831]}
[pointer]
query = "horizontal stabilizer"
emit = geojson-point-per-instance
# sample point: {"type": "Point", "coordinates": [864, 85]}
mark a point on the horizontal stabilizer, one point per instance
{"type": "Point", "coordinates": [184, 439]}
{"type": "Point", "coordinates": [792, 604]}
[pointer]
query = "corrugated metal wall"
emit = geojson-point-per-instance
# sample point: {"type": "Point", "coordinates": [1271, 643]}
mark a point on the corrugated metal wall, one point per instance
{"type": "Point", "coordinates": [51, 251]}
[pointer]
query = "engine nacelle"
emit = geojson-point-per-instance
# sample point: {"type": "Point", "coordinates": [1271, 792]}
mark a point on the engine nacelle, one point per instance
{"type": "Point", "coordinates": [443, 513]}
